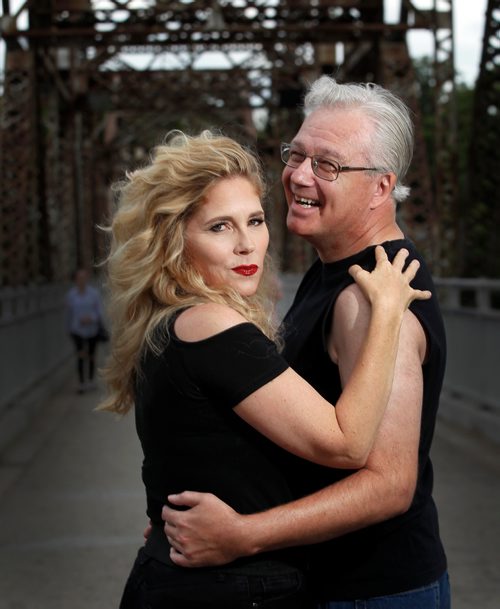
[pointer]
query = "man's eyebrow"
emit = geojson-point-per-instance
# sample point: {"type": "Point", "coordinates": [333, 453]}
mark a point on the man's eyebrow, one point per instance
{"type": "Point", "coordinates": [323, 151]}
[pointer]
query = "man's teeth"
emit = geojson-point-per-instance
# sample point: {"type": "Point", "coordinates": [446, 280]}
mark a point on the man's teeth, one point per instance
{"type": "Point", "coordinates": [307, 202]}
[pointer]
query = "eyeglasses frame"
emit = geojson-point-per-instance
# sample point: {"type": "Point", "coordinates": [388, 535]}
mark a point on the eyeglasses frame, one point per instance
{"type": "Point", "coordinates": [314, 163]}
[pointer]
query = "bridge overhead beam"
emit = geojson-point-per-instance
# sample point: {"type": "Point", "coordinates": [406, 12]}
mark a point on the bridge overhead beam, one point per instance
{"type": "Point", "coordinates": [113, 77]}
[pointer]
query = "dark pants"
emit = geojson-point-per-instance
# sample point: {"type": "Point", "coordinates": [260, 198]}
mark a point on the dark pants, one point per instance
{"type": "Point", "coordinates": [155, 585]}
{"type": "Point", "coordinates": [85, 350]}
{"type": "Point", "coordinates": [433, 596]}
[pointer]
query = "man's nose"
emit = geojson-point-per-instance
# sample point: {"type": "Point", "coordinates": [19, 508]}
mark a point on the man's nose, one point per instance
{"type": "Point", "coordinates": [303, 174]}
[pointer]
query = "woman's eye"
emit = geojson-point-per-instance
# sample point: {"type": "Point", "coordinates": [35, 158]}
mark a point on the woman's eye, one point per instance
{"type": "Point", "coordinates": [257, 221]}
{"type": "Point", "coordinates": [218, 228]}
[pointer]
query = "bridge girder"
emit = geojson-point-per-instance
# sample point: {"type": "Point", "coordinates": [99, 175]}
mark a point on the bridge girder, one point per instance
{"type": "Point", "coordinates": [103, 81]}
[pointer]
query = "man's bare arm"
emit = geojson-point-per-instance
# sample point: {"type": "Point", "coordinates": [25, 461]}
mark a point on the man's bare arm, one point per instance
{"type": "Point", "coordinates": [212, 533]}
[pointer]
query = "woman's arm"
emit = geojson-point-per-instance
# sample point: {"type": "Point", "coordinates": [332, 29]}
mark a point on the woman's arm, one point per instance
{"type": "Point", "coordinates": [212, 533]}
{"type": "Point", "coordinates": [290, 412]}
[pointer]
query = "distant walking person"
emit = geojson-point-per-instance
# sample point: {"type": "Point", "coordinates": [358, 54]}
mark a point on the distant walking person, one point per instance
{"type": "Point", "coordinates": [84, 315]}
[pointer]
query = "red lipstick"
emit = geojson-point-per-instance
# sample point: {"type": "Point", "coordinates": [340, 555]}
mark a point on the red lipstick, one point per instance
{"type": "Point", "coordinates": [246, 270]}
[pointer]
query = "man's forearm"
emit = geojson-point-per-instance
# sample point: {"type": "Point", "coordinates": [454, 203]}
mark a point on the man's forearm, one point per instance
{"type": "Point", "coordinates": [360, 500]}
{"type": "Point", "coordinates": [212, 533]}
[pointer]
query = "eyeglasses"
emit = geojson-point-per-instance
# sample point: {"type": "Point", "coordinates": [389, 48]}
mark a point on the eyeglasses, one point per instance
{"type": "Point", "coordinates": [326, 169]}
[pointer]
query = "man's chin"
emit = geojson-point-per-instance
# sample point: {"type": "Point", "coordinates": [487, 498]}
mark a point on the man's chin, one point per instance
{"type": "Point", "coordinates": [297, 227]}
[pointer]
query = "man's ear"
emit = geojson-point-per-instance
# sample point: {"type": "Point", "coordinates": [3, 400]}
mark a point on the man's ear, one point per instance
{"type": "Point", "coordinates": [384, 185]}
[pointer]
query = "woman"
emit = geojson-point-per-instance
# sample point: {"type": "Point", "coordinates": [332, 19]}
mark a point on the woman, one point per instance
{"type": "Point", "coordinates": [84, 318]}
{"type": "Point", "coordinates": [193, 348]}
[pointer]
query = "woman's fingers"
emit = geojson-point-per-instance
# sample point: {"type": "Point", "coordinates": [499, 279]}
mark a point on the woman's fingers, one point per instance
{"type": "Point", "coordinates": [380, 254]}
{"type": "Point", "coordinates": [421, 294]}
{"type": "Point", "coordinates": [411, 270]}
{"type": "Point", "coordinates": [400, 258]}
{"type": "Point", "coordinates": [355, 271]}
{"type": "Point", "coordinates": [388, 279]}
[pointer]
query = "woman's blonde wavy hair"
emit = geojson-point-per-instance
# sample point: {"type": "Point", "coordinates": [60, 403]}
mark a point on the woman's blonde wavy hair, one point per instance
{"type": "Point", "coordinates": [150, 277]}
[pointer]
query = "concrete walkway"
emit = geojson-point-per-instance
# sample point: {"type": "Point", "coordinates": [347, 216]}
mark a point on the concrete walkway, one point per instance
{"type": "Point", "coordinates": [72, 510]}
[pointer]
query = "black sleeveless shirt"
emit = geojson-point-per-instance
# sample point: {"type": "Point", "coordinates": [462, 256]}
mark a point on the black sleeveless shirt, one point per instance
{"type": "Point", "coordinates": [404, 552]}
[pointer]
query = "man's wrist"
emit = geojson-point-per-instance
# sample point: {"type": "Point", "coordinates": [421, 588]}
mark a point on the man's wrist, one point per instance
{"type": "Point", "coordinates": [246, 542]}
{"type": "Point", "coordinates": [255, 535]}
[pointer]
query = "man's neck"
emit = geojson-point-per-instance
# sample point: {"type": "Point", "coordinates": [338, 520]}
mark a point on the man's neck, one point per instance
{"type": "Point", "coordinates": [342, 247]}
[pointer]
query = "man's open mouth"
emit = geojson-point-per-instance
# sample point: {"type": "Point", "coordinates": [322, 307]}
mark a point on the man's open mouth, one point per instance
{"type": "Point", "coordinates": [306, 203]}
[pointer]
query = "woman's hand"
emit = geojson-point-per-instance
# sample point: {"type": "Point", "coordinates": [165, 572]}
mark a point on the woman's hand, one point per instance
{"type": "Point", "coordinates": [388, 286]}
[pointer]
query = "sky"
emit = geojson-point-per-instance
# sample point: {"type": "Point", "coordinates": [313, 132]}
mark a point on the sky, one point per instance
{"type": "Point", "coordinates": [468, 30]}
{"type": "Point", "coordinates": [468, 18]}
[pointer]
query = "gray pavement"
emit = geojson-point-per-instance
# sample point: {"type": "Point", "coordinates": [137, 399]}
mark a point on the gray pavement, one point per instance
{"type": "Point", "coordinates": [467, 492]}
{"type": "Point", "coordinates": [72, 510]}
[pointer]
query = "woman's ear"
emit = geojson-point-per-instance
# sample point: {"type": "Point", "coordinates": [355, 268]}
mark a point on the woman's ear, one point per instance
{"type": "Point", "coordinates": [384, 185]}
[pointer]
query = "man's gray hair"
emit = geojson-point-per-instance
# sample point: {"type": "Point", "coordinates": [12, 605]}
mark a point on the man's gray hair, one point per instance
{"type": "Point", "coordinates": [392, 145]}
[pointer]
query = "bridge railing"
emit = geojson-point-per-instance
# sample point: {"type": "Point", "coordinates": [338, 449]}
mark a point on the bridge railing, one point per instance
{"type": "Point", "coordinates": [471, 394]}
{"type": "Point", "coordinates": [34, 346]}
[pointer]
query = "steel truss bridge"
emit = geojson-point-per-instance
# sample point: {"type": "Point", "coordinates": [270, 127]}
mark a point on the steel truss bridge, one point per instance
{"type": "Point", "coordinates": [91, 86]}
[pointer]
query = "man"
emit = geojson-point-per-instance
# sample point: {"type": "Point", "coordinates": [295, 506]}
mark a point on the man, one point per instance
{"type": "Point", "coordinates": [374, 531]}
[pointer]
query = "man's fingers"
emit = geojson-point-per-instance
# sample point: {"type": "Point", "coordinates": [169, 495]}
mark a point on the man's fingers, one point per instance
{"type": "Point", "coordinates": [178, 558]}
{"type": "Point", "coordinates": [183, 561]}
{"type": "Point", "coordinates": [169, 528]}
{"type": "Point", "coordinates": [147, 530]}
{"type": "Point", "coordinates": [169, 515]}
{"type": "Point", "coordinates": [187, 498]}
{"type": "Point", "coordinates": [173, 543]}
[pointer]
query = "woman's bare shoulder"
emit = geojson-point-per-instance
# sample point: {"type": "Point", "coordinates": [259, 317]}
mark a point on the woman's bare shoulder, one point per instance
{"type": "Point", "coordinates": [206, 320]}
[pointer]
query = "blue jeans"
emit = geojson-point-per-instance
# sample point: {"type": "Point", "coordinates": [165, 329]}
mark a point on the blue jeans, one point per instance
{"type": "Point", "coordinates": [433, 596]}
{"type": "Point", "coordinates": [155, 585]}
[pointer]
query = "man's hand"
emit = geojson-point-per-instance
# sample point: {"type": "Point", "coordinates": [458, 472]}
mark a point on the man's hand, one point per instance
{"type": "Point", "coordinates": [208, 534]}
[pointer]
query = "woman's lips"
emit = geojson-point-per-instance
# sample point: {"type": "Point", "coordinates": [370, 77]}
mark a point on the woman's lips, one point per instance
{"type": "Point", "coordinates": [251, 269]}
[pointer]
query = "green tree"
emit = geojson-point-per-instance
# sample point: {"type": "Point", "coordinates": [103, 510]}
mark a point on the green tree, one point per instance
{"type": "Point", "coordinates": [464, 98]}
